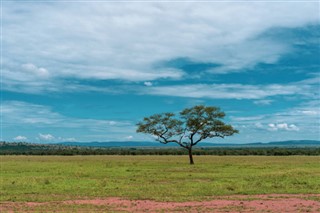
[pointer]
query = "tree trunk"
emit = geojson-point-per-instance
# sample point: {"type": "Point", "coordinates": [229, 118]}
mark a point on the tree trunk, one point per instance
{"type": "Point", "coordinates": [190, 155]}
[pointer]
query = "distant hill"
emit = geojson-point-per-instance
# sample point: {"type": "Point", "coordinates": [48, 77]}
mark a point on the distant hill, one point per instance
{"type": "Point", "coordinates": [291, 143]}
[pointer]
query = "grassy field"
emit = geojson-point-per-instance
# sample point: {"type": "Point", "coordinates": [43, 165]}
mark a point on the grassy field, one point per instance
{"type": "Point", "coordinates": [162, 178]}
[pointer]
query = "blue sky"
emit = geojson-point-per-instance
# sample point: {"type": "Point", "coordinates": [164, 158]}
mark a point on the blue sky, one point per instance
{"type": "Point", "coordinates": [89, 71]}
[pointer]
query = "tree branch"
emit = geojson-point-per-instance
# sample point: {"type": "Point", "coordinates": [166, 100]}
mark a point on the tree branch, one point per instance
{"type": "Point", "coordinates": [193, 134]}
{"type": "Point", "coordinates": [211, 136]}
{"type": "Point", "coordinates": [165, 141]}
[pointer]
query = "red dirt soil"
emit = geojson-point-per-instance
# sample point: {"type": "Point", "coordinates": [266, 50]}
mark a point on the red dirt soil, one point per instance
{"type": "Point", "coordinates": [237, 203]}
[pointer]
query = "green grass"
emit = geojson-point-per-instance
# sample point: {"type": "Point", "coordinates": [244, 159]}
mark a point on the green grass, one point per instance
{"type": "Point", "coordinates": [163, 178]}
{"type": "Point", "coordinates": [58, 207]}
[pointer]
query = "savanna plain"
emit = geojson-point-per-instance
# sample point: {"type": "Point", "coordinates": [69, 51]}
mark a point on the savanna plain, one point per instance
{"type": "Point", "coordinates": [160, 184]}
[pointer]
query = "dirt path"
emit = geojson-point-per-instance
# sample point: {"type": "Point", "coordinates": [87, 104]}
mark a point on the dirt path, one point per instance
{"type": "Point", "coordinates": [241, 203]}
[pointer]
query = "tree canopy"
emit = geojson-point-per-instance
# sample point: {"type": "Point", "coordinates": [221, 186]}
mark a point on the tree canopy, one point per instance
{"type": "Point", "coordinates": [191, 126]}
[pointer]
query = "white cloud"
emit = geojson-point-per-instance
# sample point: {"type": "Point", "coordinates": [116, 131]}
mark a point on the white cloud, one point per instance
{"type": "Point", "coordinates": [61, 139]}
{"type": "Point", "coordinates": [252, 118]}
{"type": "Point", "coordinates": [148, 83]}
{"type": "Point", "coordinates": [51, 138]}
{"type": "Point", "coordinates": [311, 112]}
{"type": "Point", "coordinates": [27, 78]}
{"type": "Point", "coordinates": [17, 112]}
{"type": "Point", "coordinates": [283, 126]}
{"type": "Point", "coordinates": [35, 71]}
{"type": "Point", "coordinates": [228, 91]}
{"type": "Point", "coordinates": [130, 137]}
{"type": "Point", "coordinates": [259, 125]}
{"type": "Point", "coordinates": [31, 117]}
{"type": "Point", "coordinates": [20, 138]}
{"type": "Point", "coordinates": [263, 102]}
{"type": "Point", "coordinates": [292, 123]}
{"type": "Point", "coordinates": [124, 41]}
{"type": "Point", "coordinates": [46, 137]}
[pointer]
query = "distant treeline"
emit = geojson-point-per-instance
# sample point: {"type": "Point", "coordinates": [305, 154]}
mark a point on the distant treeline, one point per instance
{"type": "Point", "coordinates": [21, 148]}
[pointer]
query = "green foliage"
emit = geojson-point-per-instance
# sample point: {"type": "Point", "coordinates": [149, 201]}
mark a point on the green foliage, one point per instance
{"type": "Point", "coordinates": [192, 126]}
{"type": "Point", "coordinates": [205, 122]}
{"type": "Point", "coordinates": [163, 178]}
{"type": "Point", "coordinates": [165, 126]}
{"type": "Point", "coordinates": [42, 149]}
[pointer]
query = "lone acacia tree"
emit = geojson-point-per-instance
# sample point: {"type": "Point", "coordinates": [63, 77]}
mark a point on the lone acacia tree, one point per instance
{"type": "Point", "coordinates": [189, 128]}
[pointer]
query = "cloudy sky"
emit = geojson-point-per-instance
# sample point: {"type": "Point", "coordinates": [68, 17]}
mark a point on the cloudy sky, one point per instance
{"type": "Point", "coordinates": [89, 71]}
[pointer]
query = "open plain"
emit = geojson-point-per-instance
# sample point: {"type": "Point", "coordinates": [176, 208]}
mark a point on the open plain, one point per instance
{"type": "Point", "coordinates": [160, 184]}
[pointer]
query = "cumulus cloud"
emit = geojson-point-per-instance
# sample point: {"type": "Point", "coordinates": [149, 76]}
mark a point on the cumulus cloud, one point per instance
{"type": "Point", "coordinates": [46, 137]}
{"type": "Point", "coordinates": [148, 83]}
{"type": "Point", "coordinates": [125, 41]}
{"type": "Point", "coordinates": [37, 71]}
{"type": "Point", "coordinates": [283, 126]}
{"type": "Point", "coordinates": [52, 138]}
{"type": "Point", "coordinates": [294, 121]}
{"type": "Point", "coordinates": [20, 138]}
{"type": "Point", "coordinates": [27, 78]}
